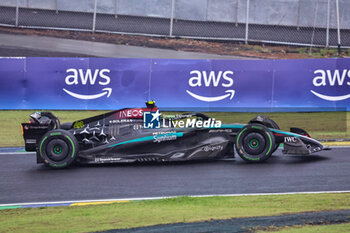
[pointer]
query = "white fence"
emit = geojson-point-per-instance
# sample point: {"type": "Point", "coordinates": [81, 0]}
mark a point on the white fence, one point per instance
{"type": "Point", "coordinates": [295, 22]}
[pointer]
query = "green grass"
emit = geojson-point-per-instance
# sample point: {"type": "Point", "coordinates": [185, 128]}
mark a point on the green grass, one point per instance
{"type": "Point", "coordinates": [318, 52]}
{"type": "Point", "coordinates": [320, 125]}
{"type": "Point", "coordinates": [147, 213]}
{"type": "Point", "coordinates": [333, 228]}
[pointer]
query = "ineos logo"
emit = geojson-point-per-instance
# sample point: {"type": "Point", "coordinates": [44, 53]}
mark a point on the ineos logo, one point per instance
{"type": "Point", "coordinates": [92, 77]}
{"type": "Point", "coordinates": [208, 79]}
{"type": "Point", "coordinates": [331, 78]}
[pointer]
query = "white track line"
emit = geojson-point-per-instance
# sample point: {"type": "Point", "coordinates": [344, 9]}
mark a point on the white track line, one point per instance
{"type": "Point", "coordinates": [16, 153]}
{"type": "Point", "coordinates": [157, 198]}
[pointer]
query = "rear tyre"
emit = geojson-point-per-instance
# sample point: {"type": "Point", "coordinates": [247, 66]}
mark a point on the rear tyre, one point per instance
{"type": "Point", "coordinates": [255, 143]}
{"type": "Point", "coordinates": [58, 148]}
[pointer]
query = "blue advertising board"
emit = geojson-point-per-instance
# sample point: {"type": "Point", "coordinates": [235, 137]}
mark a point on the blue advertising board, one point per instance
{"type": "Point", "coordinates": [212, 85]}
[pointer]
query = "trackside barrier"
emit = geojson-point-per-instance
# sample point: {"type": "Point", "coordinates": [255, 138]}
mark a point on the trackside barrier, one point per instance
{"type": "Point", "coordinates": [321, 23]}
{"type": "Point", "coordinates": [206, 85]}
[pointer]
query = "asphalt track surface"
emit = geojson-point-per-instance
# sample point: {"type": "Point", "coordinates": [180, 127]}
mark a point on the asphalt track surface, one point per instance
{"type": "Point", "coordinates": [161, 26]}
{"type": "Point", "coordinates": [24, 45]}
{"type": "Point", "coordinates": [23, 181]}
{"type": "Point", "coordinates": [9, 51]}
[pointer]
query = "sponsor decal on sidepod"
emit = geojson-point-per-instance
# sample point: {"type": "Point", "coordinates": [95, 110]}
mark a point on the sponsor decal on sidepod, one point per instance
{"type": "Point", "coordinates": [151, 120]}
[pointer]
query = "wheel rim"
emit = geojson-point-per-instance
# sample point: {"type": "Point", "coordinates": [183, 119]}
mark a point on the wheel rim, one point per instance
{"type": "Point", "coordinates": [57, 149]}
{"type": "Point", "coordinates": [254, 143]}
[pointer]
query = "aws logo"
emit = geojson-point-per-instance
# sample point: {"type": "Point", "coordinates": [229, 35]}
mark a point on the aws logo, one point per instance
{"type": "Point", "coordinates": [331, 78]}
{"type": "Point", "coordinates": [211, 79]}
{"type": "Point", "coordinates": [92, 77]}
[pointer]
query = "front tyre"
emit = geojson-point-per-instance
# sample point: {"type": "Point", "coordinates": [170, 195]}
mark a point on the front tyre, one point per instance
{"type": "Point", "coordinates": [255, 143]}
{"type": "Point", "coordinates": [58, 148]}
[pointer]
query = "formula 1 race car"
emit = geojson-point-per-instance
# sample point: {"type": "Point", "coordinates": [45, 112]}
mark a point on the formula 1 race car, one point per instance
{"type": "Point", "coordinates": [125, 136]}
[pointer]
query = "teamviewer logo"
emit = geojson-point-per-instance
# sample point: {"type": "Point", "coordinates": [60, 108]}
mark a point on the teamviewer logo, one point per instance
{"type": "Point", "coordinates": [151, 120]}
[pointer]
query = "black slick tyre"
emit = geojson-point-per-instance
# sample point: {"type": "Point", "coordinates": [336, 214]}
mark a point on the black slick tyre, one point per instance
{"type": "Point", "coordinates": [58, 148]}
{"type": "Point", "coordinates": [255, 143]}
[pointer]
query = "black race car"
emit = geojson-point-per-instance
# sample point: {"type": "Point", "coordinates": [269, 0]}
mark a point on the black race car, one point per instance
{"type": "Point", "coordinates": [122, 136]}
